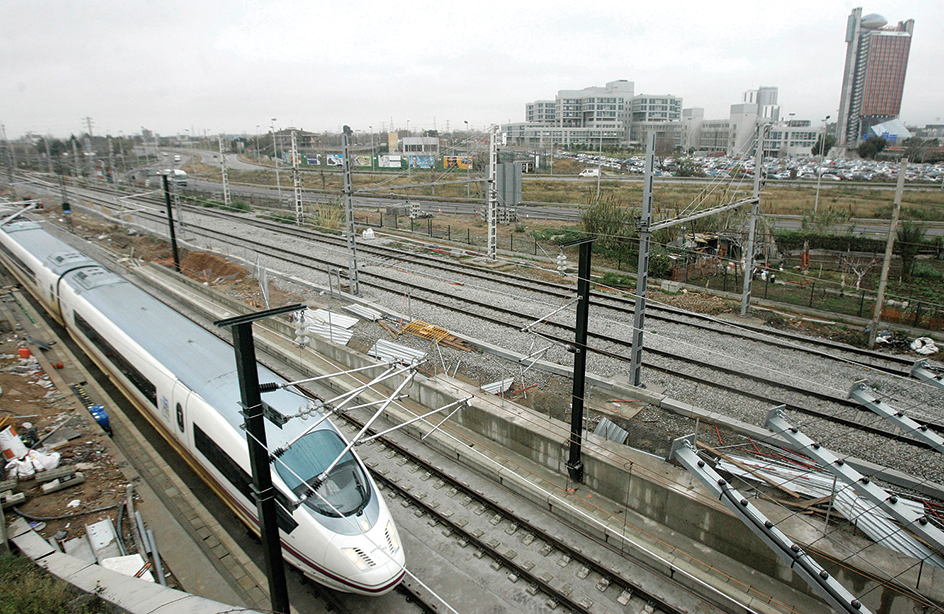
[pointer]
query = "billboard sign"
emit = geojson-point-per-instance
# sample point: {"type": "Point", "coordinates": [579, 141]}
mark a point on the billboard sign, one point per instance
{"type": "Point", "coordinates": [462, 162]}
{"type": "Point", "coordinates": [421, 162]}
{"type": "Point", "coordinates": [389, 161]}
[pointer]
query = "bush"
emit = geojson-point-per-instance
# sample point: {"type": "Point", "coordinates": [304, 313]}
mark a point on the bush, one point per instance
{"type": "Point", "coordinates": [926, 271]}
{"type": "Point", "coordinates": [25, 588]}
{"type": "Point", "coordinates": [660, 265]}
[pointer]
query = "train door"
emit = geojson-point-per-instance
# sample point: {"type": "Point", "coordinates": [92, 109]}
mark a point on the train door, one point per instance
{"type": "Point", "coordinates": [178, 421]}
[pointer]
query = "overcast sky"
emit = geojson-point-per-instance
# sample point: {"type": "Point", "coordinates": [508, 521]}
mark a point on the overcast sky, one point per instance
{"type": "Point", "coordinates": [229, 66]}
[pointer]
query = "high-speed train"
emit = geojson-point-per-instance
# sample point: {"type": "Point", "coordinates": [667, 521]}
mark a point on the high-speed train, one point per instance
{"type": "Point", "coordinates": [183, 379]}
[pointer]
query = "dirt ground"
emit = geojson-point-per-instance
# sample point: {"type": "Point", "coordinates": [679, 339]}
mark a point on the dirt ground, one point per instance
{"type": "Point", "coordinates": [30, 398]}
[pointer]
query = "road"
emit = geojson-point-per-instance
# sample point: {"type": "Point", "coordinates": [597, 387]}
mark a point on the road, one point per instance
{"type": "Point", "coordinates": [877, 228]}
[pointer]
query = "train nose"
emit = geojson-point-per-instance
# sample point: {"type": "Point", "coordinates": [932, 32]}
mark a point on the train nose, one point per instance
{"type": "Point", "coordinates": [375, 559]}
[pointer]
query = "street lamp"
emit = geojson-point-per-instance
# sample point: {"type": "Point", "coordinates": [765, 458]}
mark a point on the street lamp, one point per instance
{"type": "Point", "coordinates": [819, 169]}
{"type": "Point", "coordinates": [275, 152]}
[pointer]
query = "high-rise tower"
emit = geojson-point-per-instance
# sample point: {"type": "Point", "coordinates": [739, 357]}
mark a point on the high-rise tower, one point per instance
{"type": "Point", "coordinates": [874, 76]}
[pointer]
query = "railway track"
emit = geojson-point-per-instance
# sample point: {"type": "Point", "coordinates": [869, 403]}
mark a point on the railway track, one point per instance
{"type": "Point", "coordinates": [493, 547]}
{"type": "Point", "coordinates": [442, 284]}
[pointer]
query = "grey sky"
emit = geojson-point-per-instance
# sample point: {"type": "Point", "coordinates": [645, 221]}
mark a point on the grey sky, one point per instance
{"type": "Point", "coordinates": [227, 66]}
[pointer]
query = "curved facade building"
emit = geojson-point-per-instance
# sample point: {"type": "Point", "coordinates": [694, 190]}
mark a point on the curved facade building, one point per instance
{"type": "Point", "coordinates": [874, 76]}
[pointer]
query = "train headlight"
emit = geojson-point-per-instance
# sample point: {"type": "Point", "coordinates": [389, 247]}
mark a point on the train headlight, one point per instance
{"type": "Point", "coordinates": [392, 539]}
{"type": "Point", "coordinates": [356, 557]}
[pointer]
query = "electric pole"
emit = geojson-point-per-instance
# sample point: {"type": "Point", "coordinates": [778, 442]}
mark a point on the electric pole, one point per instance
{"type": "Point", "coordinates": [75, 162]}
{"type": "Point", "coordinates": [349, 232]}
{"type": "Point", "coordinates": [111, 161]}
{"type": "Point", "coordinates": [492, 196]}
{"type": "Point", "coordinates": [297, 181]}
{"type": "Point", "coordinates": [642, 270]}
{"type": "Point", "coordinates": [227, 199]}
{"type": "Point", "coordinates": [752, 228]}
{"type": "Point", "coordinates": [275, 154]}
{"type": "Point", "coordinates": [48, 155]}
{"type": "Point", "coordinates": [889, 245]}
{"type": "Point", "coordinates": [9, 156]}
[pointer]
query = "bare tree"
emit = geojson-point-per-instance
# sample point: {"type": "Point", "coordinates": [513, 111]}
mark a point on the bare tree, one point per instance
{"type": "Point", "coordinates": [859, 267]}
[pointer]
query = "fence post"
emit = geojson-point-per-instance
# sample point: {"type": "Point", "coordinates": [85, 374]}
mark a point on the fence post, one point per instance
{"type": "Point", "coordinates": [812, 290]}
{"type": "Point", "coordinates": [381, 219]}
{"type": "Point", "coordinates": [429, 225]}
{"type": "Point", "coordinates": [766, 285]}
{"type": "Point", "coordinates": [449, 232]}
{"type": "Point", "coordinates": [724, 285]}
{"type": "Point", "coordinates": [396, 221]}
{"type": "Point", "coordinates": [861, 303]}
{"type": "Point", "coordinates": [411, 224]}
{"type": "Point", "coordinates": [468, 235]}
{"type": "Point", "coordinates": [917, 315]}
{"type": "Point", "coordinates": [535, 246]}
{"type": "Point", "coordinates": [512, 238]}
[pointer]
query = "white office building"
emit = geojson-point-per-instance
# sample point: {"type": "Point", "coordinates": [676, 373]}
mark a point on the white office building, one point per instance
{"type": "Point", "coordinates": [592, 116]}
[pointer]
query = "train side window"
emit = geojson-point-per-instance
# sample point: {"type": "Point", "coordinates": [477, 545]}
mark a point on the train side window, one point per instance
{"type": "Point", "coordinates": [121, 363]}
{"type": "Point", "coordinates": [180, 418]}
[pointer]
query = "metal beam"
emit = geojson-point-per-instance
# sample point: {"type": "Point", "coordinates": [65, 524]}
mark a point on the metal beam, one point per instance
{"type": "Point", "coordinates": [916, 523]}
{"type": "Point", "coordinates": [861, 393]}
{"type": "Point", "coordinates": [683, 450]}
{"type": "Point", "coordinates": [921, 372]}
{"type": "Point", "coordinates": [703, 213]}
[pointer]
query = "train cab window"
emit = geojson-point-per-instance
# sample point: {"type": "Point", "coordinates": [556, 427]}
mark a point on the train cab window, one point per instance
{"type": "Point", "coordinates": [238, 477]}
{"type": "Point", "coordinates": [180, 418]}
{"type": "Point", "coordinates": [343, 493]}
{"type": "Point", "coordinates": [121, 363]}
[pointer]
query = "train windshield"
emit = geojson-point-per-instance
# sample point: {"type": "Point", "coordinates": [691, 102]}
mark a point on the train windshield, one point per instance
{"type": "Point", "coordinates": [343, 492]}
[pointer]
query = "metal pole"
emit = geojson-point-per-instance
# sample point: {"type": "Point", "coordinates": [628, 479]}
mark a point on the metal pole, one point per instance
{"type": "Point", "coordinates": [822, 158]}
{"type": "Point", "coordinates": [574, 463]}
{"type": "Point", "coordinates": [264, 492]}
{"type": "Point", "coordinates": [297, 181]}
{"type": "Point", "coordinates": [170, 225]}
{"type": "Point", "coordinates": [275, 154]}
{"type": "Point", "coordinates": [492, 198]}
{"type": "Point", "coordinates": [349, 231]}
{"type": "Point", "coordinates": [642, 271]}
{"type": "Point", "coordinates": [889, 245]}
{"type": "Point", "coordinates": [752, 227]}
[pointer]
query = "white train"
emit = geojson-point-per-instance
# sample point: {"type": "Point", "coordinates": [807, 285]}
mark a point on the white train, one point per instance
{"type": "Point", "coordinates": [183, 379]}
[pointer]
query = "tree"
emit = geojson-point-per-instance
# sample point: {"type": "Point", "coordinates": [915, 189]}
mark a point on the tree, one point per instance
{"type": "Point", "coordinates": [917, 149]}
{"type": "Point", "coordinates": [688, 168]}
{"type": "Point", "coordinates": [818, 149]}
{"type": "Point", "coordinates": [870, 147]}
{"type": "Point", "coordinates": [610, 222]}
{"type": "Point", "coordinates": [908, 240]}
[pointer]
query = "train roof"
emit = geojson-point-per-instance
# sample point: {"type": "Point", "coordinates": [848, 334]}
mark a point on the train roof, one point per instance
{"type": "Point", "coordinates": [203, 362]}
{"type": "Point", "coordinates": [54, 253]}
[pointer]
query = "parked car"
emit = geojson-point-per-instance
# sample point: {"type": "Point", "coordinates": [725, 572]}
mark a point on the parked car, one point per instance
{"type": "Point", "coordinates": [589, 172]}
